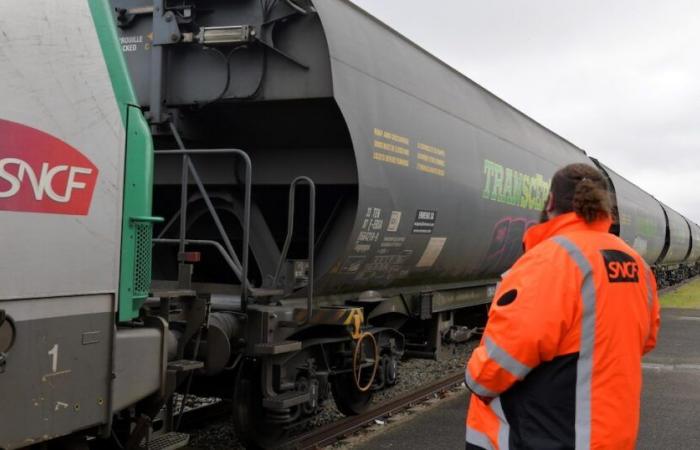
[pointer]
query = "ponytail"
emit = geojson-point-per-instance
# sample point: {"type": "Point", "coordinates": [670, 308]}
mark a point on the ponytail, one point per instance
{"type": "Point", "coordinates": [590, 201]}
{"type": "Point", "coordinates": [582, 189]}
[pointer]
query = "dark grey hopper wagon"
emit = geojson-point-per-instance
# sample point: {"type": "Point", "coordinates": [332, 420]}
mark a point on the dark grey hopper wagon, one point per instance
{"type": "Point", "coordinates": [424, 184]}
{"type": "Point", "coordinates": [383, 128]}
{"type": "Point", "coordinates": [333, 199]}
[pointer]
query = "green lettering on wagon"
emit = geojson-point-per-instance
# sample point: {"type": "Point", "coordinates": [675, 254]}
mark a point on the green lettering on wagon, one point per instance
{"type": "Point", "coordinates": [510, 187]}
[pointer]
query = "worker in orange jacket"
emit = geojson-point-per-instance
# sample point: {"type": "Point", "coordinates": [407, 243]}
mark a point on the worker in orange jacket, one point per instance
{"type": "Point", "coordinates": [559, 365]}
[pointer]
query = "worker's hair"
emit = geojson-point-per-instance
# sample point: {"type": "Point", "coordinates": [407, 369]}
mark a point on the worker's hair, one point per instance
{"type": "Point", "coordinates": [582, 189]}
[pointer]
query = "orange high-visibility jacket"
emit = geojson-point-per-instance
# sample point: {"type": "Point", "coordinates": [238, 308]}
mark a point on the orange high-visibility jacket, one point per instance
{"type": "Point", "coordinates": [559, 365]}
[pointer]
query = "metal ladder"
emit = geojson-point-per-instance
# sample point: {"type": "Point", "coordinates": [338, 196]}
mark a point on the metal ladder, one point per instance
{"type": "Point", "coordinates": [240, 267]}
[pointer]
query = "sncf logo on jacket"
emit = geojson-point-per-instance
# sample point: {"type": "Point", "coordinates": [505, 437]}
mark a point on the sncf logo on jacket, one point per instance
{"type": "Point", "coordinates": [40, 173]}
{"type": "Point", "coordinates": [621, 267]}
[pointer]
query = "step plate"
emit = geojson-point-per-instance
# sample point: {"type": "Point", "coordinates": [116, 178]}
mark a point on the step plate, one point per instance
{"type": "Point", "coordinates": [169, 441]}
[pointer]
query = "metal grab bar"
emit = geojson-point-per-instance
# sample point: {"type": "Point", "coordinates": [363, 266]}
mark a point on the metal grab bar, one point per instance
{"type": "Point", "coordinates": [188, 167]}
{"type": "Point", "coordinates": [290, 232]}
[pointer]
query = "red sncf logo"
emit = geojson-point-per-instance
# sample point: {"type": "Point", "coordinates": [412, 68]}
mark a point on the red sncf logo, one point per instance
{"type": "Point", "coordinates": [40, 173]}
{"type": "Point", "coordinates": [621, 267]}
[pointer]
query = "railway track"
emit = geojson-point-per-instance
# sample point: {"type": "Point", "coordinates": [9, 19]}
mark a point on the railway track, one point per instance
{"type": "Point", "coordinates": [329, 434]}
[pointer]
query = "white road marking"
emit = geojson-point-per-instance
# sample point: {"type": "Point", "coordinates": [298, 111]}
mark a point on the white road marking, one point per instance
{"type": "Point", "coordinates": [671, 367]}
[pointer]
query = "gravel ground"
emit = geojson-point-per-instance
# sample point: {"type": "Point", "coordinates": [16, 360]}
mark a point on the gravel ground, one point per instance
{"type": "Point", "coordinates": [217, 435]}
{"type": "Point", "coordinates": [417, 372]}
{"type": "Point", "coordinates": [412, 373]}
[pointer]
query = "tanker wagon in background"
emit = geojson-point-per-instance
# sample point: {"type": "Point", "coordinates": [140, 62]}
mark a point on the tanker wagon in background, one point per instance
{"type": "Point", "coordinates": [270, 202]}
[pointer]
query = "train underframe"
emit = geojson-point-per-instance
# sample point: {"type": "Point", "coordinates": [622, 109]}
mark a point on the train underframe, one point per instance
{"type": "Point", "coordinates": [670, 275]}
{"type": "Point", "coordinates": [278, 368]}
{"type": "Point", "coordinates": [278, 365]}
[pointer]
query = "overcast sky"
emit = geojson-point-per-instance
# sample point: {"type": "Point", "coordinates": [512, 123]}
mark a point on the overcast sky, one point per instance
{"type": "Point", "coordinates": [620, 78]}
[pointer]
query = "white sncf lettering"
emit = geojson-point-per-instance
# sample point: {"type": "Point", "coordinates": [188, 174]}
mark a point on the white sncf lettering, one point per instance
{"type": "Point", "coordinates": [42, 184]}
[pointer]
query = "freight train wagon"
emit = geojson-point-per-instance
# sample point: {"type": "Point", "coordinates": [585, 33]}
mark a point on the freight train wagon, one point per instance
{"type": "Point", "coordinates": [269, 201]}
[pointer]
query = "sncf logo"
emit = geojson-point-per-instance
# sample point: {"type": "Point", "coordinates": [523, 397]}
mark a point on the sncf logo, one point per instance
{"type": "Point", "coordinates": [40, 173]}
{"type": "Point", "coordinates": [621, 267]}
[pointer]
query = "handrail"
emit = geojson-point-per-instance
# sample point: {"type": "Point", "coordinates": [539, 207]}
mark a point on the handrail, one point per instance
{"type": "Point", "coordinates": [290, 232]}
{"type": "Point", "coordinates": [189, 168]}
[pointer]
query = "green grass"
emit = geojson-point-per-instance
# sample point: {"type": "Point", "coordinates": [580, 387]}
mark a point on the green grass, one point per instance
{"type": "Point", "coordinates": [687, 296]}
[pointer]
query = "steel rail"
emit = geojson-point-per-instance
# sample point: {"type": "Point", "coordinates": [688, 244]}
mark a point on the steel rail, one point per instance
{"type": "Point", "coordinates": [331, 433]}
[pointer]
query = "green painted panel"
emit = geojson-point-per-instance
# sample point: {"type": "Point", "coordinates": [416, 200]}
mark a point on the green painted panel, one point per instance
{"type": "Point", "coordinates": [135, 266]}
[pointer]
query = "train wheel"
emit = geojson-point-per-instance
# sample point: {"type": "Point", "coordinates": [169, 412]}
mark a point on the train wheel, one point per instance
{"type": "Point", "coordinates": [348, 398]}
{"type": "Point", "coordinates": [253, 427]}
{"type": "Point", "coordinates": [391, 370]}
{"type": "Point", "coordinates": [352, 391]}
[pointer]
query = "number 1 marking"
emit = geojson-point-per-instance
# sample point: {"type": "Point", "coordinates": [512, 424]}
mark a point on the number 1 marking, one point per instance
{"type": "Point", "coordinates": [54, 357]}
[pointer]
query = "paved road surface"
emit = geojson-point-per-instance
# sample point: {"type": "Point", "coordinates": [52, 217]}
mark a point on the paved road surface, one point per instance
{"type": "Point", "coordinates": [670, 400]}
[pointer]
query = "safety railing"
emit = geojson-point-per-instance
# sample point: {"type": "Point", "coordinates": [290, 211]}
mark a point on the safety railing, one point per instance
{"type": "Point", "coordinates": [239, 266]}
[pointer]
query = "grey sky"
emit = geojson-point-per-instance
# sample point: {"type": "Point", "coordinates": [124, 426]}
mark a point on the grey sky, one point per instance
{"type": "Point", "coordinates": [620, 79]}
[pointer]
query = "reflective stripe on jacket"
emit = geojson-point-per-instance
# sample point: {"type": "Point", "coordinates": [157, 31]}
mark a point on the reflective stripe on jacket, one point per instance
{"type": "Point", "coordinates": [559, 365]}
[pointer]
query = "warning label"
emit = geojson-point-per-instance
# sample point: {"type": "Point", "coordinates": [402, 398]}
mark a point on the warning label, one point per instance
{"type": "Point", "coordinates": [425, 221]}
{"type": "Point", "coordinates": [394, 222]}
